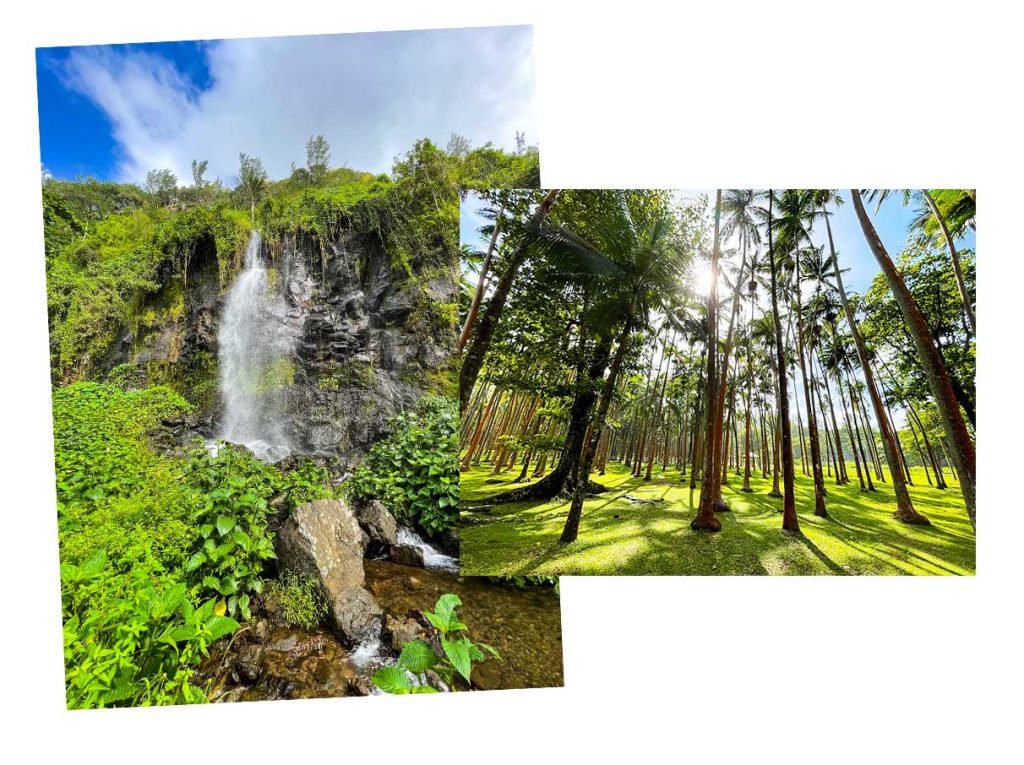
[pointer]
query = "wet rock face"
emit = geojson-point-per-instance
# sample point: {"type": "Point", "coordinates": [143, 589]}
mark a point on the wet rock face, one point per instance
{"type": "Point", "coordinates": [323, 539]}
{"type": "Point", "coordinates": [367, 338]}
{"type": "Point", "coordinates": [365, 342]}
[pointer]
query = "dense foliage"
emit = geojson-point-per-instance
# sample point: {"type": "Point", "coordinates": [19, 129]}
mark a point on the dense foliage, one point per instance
{"type": "Point", "coordinates": [414, 471]}
{"type": "Point", "coordinates": [156, 549]}
{"type": "Point", "coordinates": [165, 550]}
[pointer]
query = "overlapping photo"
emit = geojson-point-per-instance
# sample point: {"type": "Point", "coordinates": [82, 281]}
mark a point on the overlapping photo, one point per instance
{"type": "Point", "coordinates": [718, 382]}
{"type": "Point", "coordinates": [252, 262]}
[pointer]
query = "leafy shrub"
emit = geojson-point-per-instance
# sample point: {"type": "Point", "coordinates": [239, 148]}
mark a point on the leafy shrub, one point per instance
{"type": "Point", "coordinates": [232, 543]}
{"type": "Point", "coordinates": [458, 655]}
{"type": "Point", "coordinates": [301, 598]}
{"type": "Point", "coordinates": [113, 491]}
{"type": "Point", "coordinates": [133, 638]}
{"type": "Point", "coordinates": [414, 471]}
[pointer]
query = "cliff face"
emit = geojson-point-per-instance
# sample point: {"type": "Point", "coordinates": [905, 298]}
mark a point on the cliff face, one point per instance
{"type": "Point", "coordinates": [369, 338]}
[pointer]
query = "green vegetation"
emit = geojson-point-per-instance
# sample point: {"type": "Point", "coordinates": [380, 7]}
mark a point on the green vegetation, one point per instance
{"type": "Point", "coordinates": [651, 536]}
{"type": "Point", "coordinates": [115, 251]}
{"type": "Point", "coordinates": [155, 550]}
{"type": "Point", "coordinates": [414, 470]}
{"type": "Point", "coordinates": [165, 549]}
{"type": "Point", "coordinates": [300, 598]}
{"type": "Point", "coordinates": [457, 657]}
{"type": "Point", "coordinates": [646, 329]}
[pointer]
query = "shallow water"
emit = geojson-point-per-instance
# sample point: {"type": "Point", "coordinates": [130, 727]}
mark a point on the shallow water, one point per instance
{"type": "Point", "coordinates": [266, 661]}
{"type": "Point", "coordinates": [524, 625]}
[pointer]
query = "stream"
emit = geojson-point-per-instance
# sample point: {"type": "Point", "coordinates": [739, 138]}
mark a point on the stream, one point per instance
{"type": "Point", "coordinates": [267, 661]}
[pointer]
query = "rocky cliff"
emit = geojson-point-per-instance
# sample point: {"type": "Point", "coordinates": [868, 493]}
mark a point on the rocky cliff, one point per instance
{"type": "Point", "coordinates": [370, 338]}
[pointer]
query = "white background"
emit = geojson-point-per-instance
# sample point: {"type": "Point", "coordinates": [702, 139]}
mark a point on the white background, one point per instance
{"type": "Point", "coordinates": [865, 94]}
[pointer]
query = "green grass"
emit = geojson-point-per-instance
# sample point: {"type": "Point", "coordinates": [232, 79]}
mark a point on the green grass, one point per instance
{"type": "Point", "coordinates": [621, 537]}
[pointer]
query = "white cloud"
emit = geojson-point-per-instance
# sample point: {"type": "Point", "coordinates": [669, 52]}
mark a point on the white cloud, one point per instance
{"type": "Point", "coordinates": [371, 95]}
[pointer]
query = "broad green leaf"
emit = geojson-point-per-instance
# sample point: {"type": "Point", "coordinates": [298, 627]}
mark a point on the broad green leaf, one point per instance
{"type": "Point", "coordinates": [224, 524]}
{"type": "Point", "coordinates": [392, 680]}
{"type": "Point", "coordinates": [417, 657]}
{"type": "Point", "coordinates": [457, 652]}
{"type": "Point", "coordinates": [219, 626]}
{"type": "Point", "coordinates": [195, 562]}
{"type": "Point", "coordinates": [445, 609]}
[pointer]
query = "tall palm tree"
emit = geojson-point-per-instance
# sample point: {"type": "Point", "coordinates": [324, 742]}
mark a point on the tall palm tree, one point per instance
{"type": "Point", "coordinates": [931, 217]}
{"type": "Point", "coordinates": [795, 216]}
{"type": "Point", "coordinates": [905, 510]}
{"type": "Point", "coordinates": [740, 206]}
{"type": "Point", "coordinates": [790, 522]}
{"type": "Point", "coordinates": [485, 267]}
{"type": "Point", "coordinates": [710, 487]}
{"type": "Point", "coordinates": [480, 341]}
{"type": "Point", "coordinates": [631, 255]}
{"type": "Point", "coordinates": [954, 257]}
{"type": "Point", "coordinates": [934, 368]}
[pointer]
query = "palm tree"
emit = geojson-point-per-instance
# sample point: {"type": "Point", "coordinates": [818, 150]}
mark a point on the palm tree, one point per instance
{"type": "Point", "coordinates": [789, 518]}
{"type": "Point", "coordinates": [740, 208]}
{"type": "Point", "coordinates": [954, 257]}
{"type": "Point", "coordinates": [959, 439]}
{"type": "Point", "coordinates": [485, 267]}
{"type": "Point", "coordinates": [705, 518]}
{"type": "Point", "coordinates": [633, 257]}
{"type": "Point", "coordinates": [904, 505]}
{"type": "Point", "coordinates": [488, 321]}
{"type": "Point", "coordinates": [796, 212]}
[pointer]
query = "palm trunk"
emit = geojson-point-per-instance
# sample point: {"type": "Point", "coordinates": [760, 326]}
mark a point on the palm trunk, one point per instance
{"type": "Point", "coordinates": [474, 308]}
{"type": "Point", "coordinates": [488, 321]}
{"type": "Point", "coordinates": [789, 518]}
{"type": "Point", "coordinates": [931, 362]}
{"type": "Point", "coordinates": [709, 490]}
{"type": "Point", "coordinates": [812, 420]}
{"type": "Point", "coordinates": [572, 522]}
{"type": "Point", "coordinates": [905, 510]}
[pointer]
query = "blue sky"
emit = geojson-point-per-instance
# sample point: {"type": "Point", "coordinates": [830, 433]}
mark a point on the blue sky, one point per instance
{"type": "Point", "coordinates": [891, 221]}
{"type": "Point", "coordinates": [117, 111]}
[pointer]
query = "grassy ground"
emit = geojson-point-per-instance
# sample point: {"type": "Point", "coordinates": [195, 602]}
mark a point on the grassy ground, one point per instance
{"type": "Point", "coordinates": [618, 536]}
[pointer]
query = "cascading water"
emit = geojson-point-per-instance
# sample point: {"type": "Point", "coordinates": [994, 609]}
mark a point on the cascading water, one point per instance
{"type": "Point", "coordinates": [255, 350]}
{"type": "Point", "coordinates": [432, 557]}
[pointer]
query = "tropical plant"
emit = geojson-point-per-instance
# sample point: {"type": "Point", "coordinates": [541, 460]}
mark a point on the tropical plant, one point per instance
{"type": "Point", "coordinates": [414, 471]}
{"type": "Point", "coordinates": [457, 657]}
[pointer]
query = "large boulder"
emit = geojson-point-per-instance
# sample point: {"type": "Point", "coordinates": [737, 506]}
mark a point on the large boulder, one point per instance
{"type": "Point", "coordinates": [323, 539]}
{"type": "Point", "coordinates": [379, 524]}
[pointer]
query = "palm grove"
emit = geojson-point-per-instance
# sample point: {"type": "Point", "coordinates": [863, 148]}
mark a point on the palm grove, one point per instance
{"type": "Point", "coordinates": [589, 348]}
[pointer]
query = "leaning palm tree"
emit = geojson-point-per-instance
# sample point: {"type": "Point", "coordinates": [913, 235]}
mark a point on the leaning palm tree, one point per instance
{"type": "Point", "coordinates": [904, 505]}
{"type": "Point", "coordinates": [634, 259]}
{"type": "Point", "coordinates": [934, 368]}
{"type": "Point", "coordinates": [931, 218]}
{"type": "Point", "coordinates": [479, 342]}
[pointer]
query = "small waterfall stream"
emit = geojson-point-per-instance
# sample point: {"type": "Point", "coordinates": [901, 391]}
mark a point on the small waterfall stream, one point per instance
{"type": "Point", "coordinates": [432, 557]}
{"type": "Point", "coordinates": [255, 349]}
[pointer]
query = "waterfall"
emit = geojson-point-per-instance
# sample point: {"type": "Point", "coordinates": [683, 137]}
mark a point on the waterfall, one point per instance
{"type": "Point", "coordinates": [255, 360]}
{"type": "Point", "coordinates": [432, 557]}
